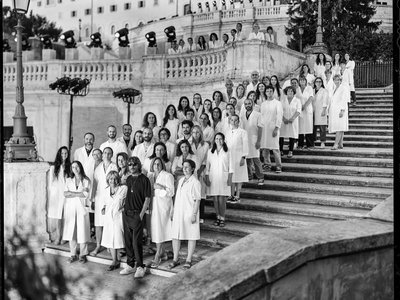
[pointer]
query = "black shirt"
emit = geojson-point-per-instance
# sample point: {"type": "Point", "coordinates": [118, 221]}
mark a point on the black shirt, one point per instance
{"type": "Point", "coordinates": [138, 189]}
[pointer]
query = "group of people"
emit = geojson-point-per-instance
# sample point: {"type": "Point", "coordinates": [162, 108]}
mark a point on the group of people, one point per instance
{"type": "Point", "coordinates": [227, 39]}
{"type": "Point", "coordinates": [154, 183]}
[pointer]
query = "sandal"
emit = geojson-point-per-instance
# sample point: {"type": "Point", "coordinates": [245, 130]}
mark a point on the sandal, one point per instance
{"type": "Point", "coordinates": [187, 265]}
{"type": "Point", "coordinates": [173, 264]}
{"type": "Point", "coordinates": [217, 222]}
{"type": "Point", "coordinates": [155, 264]}
{"type": "Point", "coordinates": [222, 223]}
{"type": "Point", "coordinates": [113, 267]}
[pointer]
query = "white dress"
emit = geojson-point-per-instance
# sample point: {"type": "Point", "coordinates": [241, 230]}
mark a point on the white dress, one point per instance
{"type": "Point", "coordinates": [321, 100]}
{"type": "Point", "coordinates": [197, 112]}
{"type": "Point", "coordinates": [172, 126]}
{"type": "Point", "coordinates": [350, 65]}
{"type": "Point", "coordinates": [218, 167]}
{"type": "Point", "coordinates": [100, 194]}
{"type": "Point", "coordinates": [171, 150]}
{"type": "Point", "coordinates": [306, 116]}
{"type": "Point", "coordinates": [251, 126]}
{"type": "Point", "coordinates": [186, 193]}
{"type": "Point", "coordinates": [339, 101]}
{"type": "Point", "coordinates": [201, 156]}
{"type": "Point", "coordinates": [208, 135]}
{"type": "Point", "coordinates": [113, 232]}
{"type": "Point", "coordinates": [291, 130]}
{"type": "Point", "coordinates": [238, 145]}
{"type": "Point", "coordinates": [162, 204]}
{"type": "Point", "coordinates": [117, 147]}
{"type": "Point", "coordinates": [319, 70]}
{"type": "Point", "coordinates": [56, 194]}
{"type": "Point", "coordinates": [335, 70]}
{"type": "Point", "coordinates": [76, 213]}
{"type": "Point", "coordinates": [271, 116]}
{"type": "Point", "coordinates": [178, 162]}
{"type": "Point", "coordinates": [142, 152]}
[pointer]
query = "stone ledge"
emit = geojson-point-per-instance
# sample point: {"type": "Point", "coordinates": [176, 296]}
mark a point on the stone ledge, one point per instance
{"type": "Point", "coordinates": [262, 258]}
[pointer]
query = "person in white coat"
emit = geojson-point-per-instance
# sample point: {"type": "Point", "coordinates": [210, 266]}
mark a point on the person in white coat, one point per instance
{"type": "Point", "coordinates": [197, 107]}
{"type": "Point", "coordinates": [320, 106]}
{"type": "Point", "coordinates": [58, 174]}
{"type": "Point", "coordinates": [113, 234]}
{"type": "Point", "coordinates": [145, 149]}
{"type": "Point", "coordinates": [271, 116]}
{"type": "Point", "coordinates": [338, 112]}
{"type": "Point", "coordinates": [185, 220]}
{"type": "Point", "coordinates": [290, 121]}
{"type": "Point", "coordinates": [183, 152]}
{"type": "Point", "coordinates": [306, 95]}
{"type": "Point", "coordinates": [76, 212]}
{"type": "Point", "coordinates": [150, 121]}
{"type": "Point", "coordinates": [213, 43]}
{"type": "Point", "coordinates": [207, 130]}
{"type": "Point", "coordinates": [319, 66]}
{"type": "Point", "coordinates": [112, 142]}
{"type": "Point", "coordinates": [350, 65]}
{"type": "Point", "coordinates": [337, 59]}
{"type": "Point", "coordinates": [162, 208]}
{"type": "Point", "coordinates": [328, 83]}
{"type": "Point", "coordinates": [346, 77]}
{"type": "Point", "coordinates": [238, 145]}
{"type": "Point", "coordinates": [85, 155]}
{"type": "Point", "coordinates": [219, 176]}
{"type": "Point", "coordinates": [127, 138]}
{"type": "Point", "coordinates": [99, 194]}
{"type": "Point", "coordinates": [164, 136]}
{"type": "Point", "coordinates": [171, 121]}
{"type": "Point", "coordinates": [256, 34]}
{"type": "Point", "coordinates": [306, 72]}
{"type": "Point", "coordinates": [251, 122]}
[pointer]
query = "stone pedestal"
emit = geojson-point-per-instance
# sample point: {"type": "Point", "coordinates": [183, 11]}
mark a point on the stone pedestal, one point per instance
{"type": "Point", "coordinates": [124, 52]}
{"type": "Point", "coordinates": [8, 57]}
{"type": "Point", "coordinates": [96, 53]}
{"type": "Point", "coordinates": [28, 55]}
{"type": "Point", "coordinates": [151, 50]}
{"type": "Point", "coordinates": [71, 54]}
{"type": "Point", "coordinates": [49, 54]}
{"type": "Point", "coordinates": [25, 199]}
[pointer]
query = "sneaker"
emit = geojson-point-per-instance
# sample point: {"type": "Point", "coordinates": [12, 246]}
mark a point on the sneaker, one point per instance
{"type": "Point", "coordinates": [290, 154]}
{"type": "Point", "coordinates": [72, 259]}
{"type": "Point", "coordinates": [235, 200]}
{"type": "Point", "coordinates": [278, 170]}
{"type": "Point", "coordinates": [128, 270]}
{"type": "Point", "coordinates": [230, 199]}
{"type": "Point", "coordinates": [140, 272]}
{"type": "Point", "coordinates": [260, 181]}
{"type": "Point", "coordinates": [201, 221]}
{"type": "Point", "coordinates": [322, 145]}
{"type": "Point", "coordinates": [266, 168]}
{"type": "Point", "coordinates": [82, 259]}
{"type": "Point", "coordinates": [282, 153]}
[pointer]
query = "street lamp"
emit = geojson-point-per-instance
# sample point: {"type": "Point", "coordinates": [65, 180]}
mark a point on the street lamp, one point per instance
{"type": "Point", "coordinates": [21, 145]}
{"type": "Point", "coordinates": [301, 32]}
{"type": "Point", "coordinates": [129, 96]}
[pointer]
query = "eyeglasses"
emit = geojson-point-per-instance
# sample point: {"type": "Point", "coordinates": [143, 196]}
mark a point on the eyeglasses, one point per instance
{"type": "Point", "coordinates": [132, 164]}
{"type": "Point", "coordinates": [318, 81]}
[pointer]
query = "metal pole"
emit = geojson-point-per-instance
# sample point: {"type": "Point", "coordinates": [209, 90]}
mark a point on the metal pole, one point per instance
{"type": "Point", "coordinates": [129, 113]}
{"type": "Point", "coordinates": [318, 36]}
{"type": "Point", "coordinates": [80, 27]}
{"type": "Point", "coordinates": [70, 138]}
{"type": "Point", "coordinates": [301, 43]}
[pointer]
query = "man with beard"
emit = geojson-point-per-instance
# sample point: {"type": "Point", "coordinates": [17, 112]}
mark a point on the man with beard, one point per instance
{"type": "Point", "coordinates": [112, 142]}
{"type": "Point", "coordinates": [255, 76]}
{"type": "Point", "coordinates": [126, 138]}
{"type": "Point", "coordinates": [84, 155]}
{"type": "Point", "coordinates": [186, 134]}
{"type": "Point", "coordinates": [145, 149]}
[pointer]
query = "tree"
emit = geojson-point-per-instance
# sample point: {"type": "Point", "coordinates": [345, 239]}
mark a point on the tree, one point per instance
{"type": "Point", "coordinates": [345, 23]}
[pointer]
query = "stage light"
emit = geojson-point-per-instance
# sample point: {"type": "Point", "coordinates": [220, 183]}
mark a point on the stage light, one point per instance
{"type": "Point", "coordinates": [199, 5]}
{"type": "Point", "coordinates": [68, 38]}
{"type": "Point", "coordinates": [96, 40]}
{"type": "Point", "coordinates": [215, 3]}
{"type": "Point", "coordinates": [122, 36]}
{"type": "Point", "coordinates": [78, 85]}
{"type": "Point", "coordinates": [151, 38]}
{"type": "Point", "coordinates": [61, 84]}
{"type": "Point", "coordinates": [6, 46]}
{"type": "Point", "coordinates": [46, 41]}
{"type": "Point", "coordinates": [126, 93]}
{"type": "Point", "coordinates": [170, 33]}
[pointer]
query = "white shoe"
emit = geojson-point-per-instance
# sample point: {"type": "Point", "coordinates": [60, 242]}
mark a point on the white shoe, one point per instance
{"type": "Point", "coordinates": [128, 270]}
{"type": "Point", "coordinates": [140, 272]}
{"type": "Point", "coordinates": [322, 145]}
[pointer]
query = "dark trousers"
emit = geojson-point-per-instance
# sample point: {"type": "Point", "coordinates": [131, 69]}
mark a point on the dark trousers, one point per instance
{"type": "Point", "coordinates": [291, 143]}
{"type": "Point", "coordinates": [322, 133]}
{"type": "Point", "coordinates": [309, 140]}
{"type": "Point", "coordinates": [353, 96]}
{"type": "Point", "coordinates": [133, 237]}
{"type": "Point", "coordinates": [255, 163]}
{"type": "Point", "coordinates": [202, 204]}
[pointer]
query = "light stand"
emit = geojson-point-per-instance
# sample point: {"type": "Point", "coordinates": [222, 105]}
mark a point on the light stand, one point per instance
{"type": "Point", "coordinates": [129, 96]}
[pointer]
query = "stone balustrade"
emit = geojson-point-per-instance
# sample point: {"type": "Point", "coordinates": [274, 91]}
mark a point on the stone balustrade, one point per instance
{"type": "Point", "coordinates": [271, 11]}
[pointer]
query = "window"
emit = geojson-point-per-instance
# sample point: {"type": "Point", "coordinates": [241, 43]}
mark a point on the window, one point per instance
{"type": "Point", "coordinates": [39, 3]}
{"type": "Point", "coordinates": [113, 8]}
{"type": "Point", "coordinates": [100, 9]}
{"type": "Point", "coordinates": [141, 4]}
{"type": "Point", "coordinates": [112, 30]}
{"type": "Point", "coordinates": [155, 2]}
{"type": "Point", "coordinates": [73, 13]}
{"type": "Point", "coordinates": [88, 11]}
{"type": "Point", "coordinates": [127, 6]}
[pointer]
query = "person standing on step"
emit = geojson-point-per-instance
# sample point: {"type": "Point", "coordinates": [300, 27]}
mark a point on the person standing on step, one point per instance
{"type": "Point", "coordinates": [127, 137]}
{"type": "Point", "coordinates": [306, 95]}
{"type": "Point", "coordinates": [271, 116]}
{"type": "Point", "coordinates": [197, 107]}
{"type": "Point", "coordinates": [252, 86]}
{"type": "Point", "coordinates": [320, 107]}
{"type": "Point", "coordinates": [319, 66]}
{"type": "Point", "coordinates": [350, 65]}
{"type": "Point", "coordinates": [207, 130]}
{"type": "Point", "coordinates": [145, 149]}
{"type": "Point", "coordinates": [84, 155]}
{"type": "Point", "coordinates": [164, 137]}
{"type": "Point", "coordinates": [346, 77]}
{"type": "Point", "coordinates": [238, 145]}
{"type": "Point", "coordinates": [251, 122]}
{"type": "Point", "coordinates": [122, 165]}
{"type": "Point", "coordinates": [150, 121]}
{"type": "Point", "coordinates": [137, 201]}
{"type": "Point", "coordinates": [171, 121]}
{"type": "Point", "coordinates": [112, 142]}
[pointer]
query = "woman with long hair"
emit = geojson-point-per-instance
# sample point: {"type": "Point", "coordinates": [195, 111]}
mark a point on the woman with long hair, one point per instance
{"type": "Point", "coordinates": [137, 139]}
{"type": "Point", "coordinates": [306, 73]}
{"type": "Point", "coordinates": [277, 87]}
{"type": "Point", "coordinates": [350, 65]}
{"type": "Point", "coordinates": [58, 173]}
{"type": "Point", "coordinates": [337, 59]}
{"type": "Point", "coordinates": [182, 106]}
{"type": "Point", "coordinates": [240, 96]}
{"type": "Point", "coordinates": [320, 105]}
{"type": "Point", "coordinates": [183, 151]}
{"type": "Point", "coordinates": [218, 177]}
{"type": "Point", "coordinates": [164, 136]}
{"type": "Point", "coordinates": [319, 66]}
{"type": "Point", "coordinates": [171, 121]}
{"type": "Point", "coordinates": [226, 117]}
{"type": "Point", "coordinates": [150, 121]}
{"type": "Point", "coordinates": [197, 106]}
{"type": "Point", "coordinates": [217, 120]}
{"type": "Point", "coordinates": [213, 43]}
{"type": "Point", "coordinates": [261, 96]}
{"type": "Point", "coordinates": [159, 150]}
{"type": "Point", "coordinates": [328, 83]}
{"type": "Point", "coordinates": [207, 109]}
{"type": "Point", "coordinates": [206, 128]}
{"type": "Point", "coordinates": [76, 212]}
{"type": "Point", "coordinates": [306, 95]}
{"type": "Point", "coordinates": [122, 165]}
{"type": "Point", "coordinates": [218, 100]}
{"type": "Point", "coordinates": [201, 44]}
{"type": "Point", "coordinates": [266, 80]}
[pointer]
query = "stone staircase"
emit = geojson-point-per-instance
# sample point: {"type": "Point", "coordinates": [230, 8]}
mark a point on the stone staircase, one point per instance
{"type": "Point", "coordinates": [315, 185]}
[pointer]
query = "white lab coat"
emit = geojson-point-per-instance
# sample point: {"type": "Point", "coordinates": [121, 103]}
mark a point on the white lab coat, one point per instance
{"type": "Point", "coordinates": [347, 80]}
{"type": "Point", "coordinates": [178, 162]}
{"type": "Point", "coordinates": [251, 126]}
{"type": "Point", "coordinates": [130, 144]}
{"type": "Point", "coordinates": [306, 116]}
{"type": "Point", "coordinates": [218, 167]}
{"type": "Point", "coordinates": [56, 201]}
{"type": "Point", "coordinates": [339, 101]}
{"type": "Point", "coordinates": [213, 45]}
{"type": "Point", "coordinates": [238, 145]}
{"type": "Point", "coordinates": [117, 147]}
{"type": "Point", "coordinates": [201, 156]}
{"type": "Point", "coordinates": [208, 134]}
{"type": "Point", "coordinates": [350, 65]}
{"type": "Point", "coordinates": [321, 100]}
{"type": "Point", "coordinates": [172, 126]}
{"type": "Point", "coordinates": [142, 152]}
{"type": "Point", "coordinates": [319, 70]}
{"type": "Point", "coordinates": [290, 130]}
{"type": "Point", "coordinates": [76, 213]}
{"type": "Point", "coordinates": [87, 162]}
{"type": "Point", "coordinates": [271, 116]}
{"type": "Point", "coordinates": [257, 36]}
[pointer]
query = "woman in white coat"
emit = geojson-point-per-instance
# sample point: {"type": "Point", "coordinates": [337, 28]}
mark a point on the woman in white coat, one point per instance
{"type": "Point", "coordinates": [183, 152]}
{"type": "Point", "coordinates": [185, 220]}
{"type": "Point", "coordinates": [338, 112]}
{"type": "Point", "coordinates": [171, 121]}
{"type": "Point", "coordinates": [291, 111]}
{"type": "Point", "coordinates": [350, 65]}
{"type": "Point", "coordinates": [219, 176]}
{"type": "Point", "coordinates": [113, 234]}
{"type": "Point", "coordinates": [58, 174]}
{"type": "Point", "coordinates": [76, 212]}
{"type": "Point", "coordinates": [162, 204]}
{"type": "Point", "coordinates": [306, 95]}
{"type": "Point", "coordinates": [320, 106]}
{"type": "Point", "coordinates": [319, 66]}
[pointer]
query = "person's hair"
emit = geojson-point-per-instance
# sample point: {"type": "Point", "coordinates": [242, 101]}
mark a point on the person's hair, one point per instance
{"type": "Point", "coordinates": [295, 79]}
{"type": "Point", "coordinates": [178, 148]}
{"type": "Point", "coordinates": [191, 163]}
{"type": "Point", "coordinates": [145, 119]}
{"type": "Point", "coordinates": [153, 160]}
{"type": "Point", "coordinates": [112, 127]}
{"type": "Point", "coordinates": [113, 175]}
{"type": "Point", "coordinates": [189, 109]}
{"type": "Point", "coordinates": [189, 38]}
{"type": "Point", "coordinates": [218, 92]}
{"type": "Point", "coordinates": [181, 40]}
{"type": "Point", "coordinates": [207, 100]}
{"type": "Point", "coordinates": [203, 43]}
{"type": "Point", "coordinates": [165, 156]}
{"type": "Point", "coordinates": [187, 122]}
{"type": "Point", "coordinates": [238, 23]}
{"type": "Point", "coordinates": [278, 86]}
{"type": "Point", "coordinates": [112, 151]}
{"type": "Point", "coordinates": [289, 88]}
{"type": "Point", "coordinates": [90, 134]}
{"type": "Point", "coordinates": [318, 61]}
{"type": "Point", "coordinates": [266, 77]}
{"type": "Point", "coordinates": [135, 160]}
{"type": "Point", "coordinates": [166, 130]}
{"type": "Point", "coordinates": [127, 125]}
{"type": "Point", "coordinates": [201, 139]}
{"type": "Point", "coordinates": [83, 175]}
{"type": "Point", "coordinates": [258, 93]}
{"type": "Point", "coordinates": [166, 115]}
{"type": "Point", "coordinates": [302, 78]}
{"type": "Point", "coordinates": [201, 99]}
{"type": "Point", "coordinates": [322, 83]}
{"type": "Point", "coordinates": [134, 139]}
{"type": "Point", "coordinates": [334, 59]}
{"type": "Point", "coordinates": [226, 36]}
{"type": "Point", "coordinates": [97, 149]}
{"type": "Point", "coordinates": [208, 118]}
{"type": "Point", "coordinates": [337, 76]}
{"type": "Point", "coordinates": [252, 92]}
{"type": "Point", "coordinates": [126, 157]}
{"type": "Point", "coordinates": [180, 108]}
{"type": "Point", "coordinates": [302, 70]}
{"type": "Point", "coordinates": [220, 113]}
{"type": "Point", "coordinates": [244, 90]}
{"type": "Point", "coordinates": [215, 35]}
{"type": "Point", "coordinates": [224, 146]}
{"type": "Point", "coordinates": [234, 30]}
{"type": "Point", "coordinates": [58, 162]}
{"type": "Point", "coordinates": [269, 27]}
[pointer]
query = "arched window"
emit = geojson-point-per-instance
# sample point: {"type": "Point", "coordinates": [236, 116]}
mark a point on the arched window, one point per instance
{"type": "Point", "coordinates": [112, 29]}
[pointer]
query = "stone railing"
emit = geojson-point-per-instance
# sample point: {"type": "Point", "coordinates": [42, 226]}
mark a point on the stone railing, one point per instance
{"type": "Point", "coordinates": [206, 17]}
{"type": "Point", "coordinates": [271, 11]}
{"type": "Point", "coordinates": [34, 71]}
{"type": "Point", "coordinates": [237, 14]}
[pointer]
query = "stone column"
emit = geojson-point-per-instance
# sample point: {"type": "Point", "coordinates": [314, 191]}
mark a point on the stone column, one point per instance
{"type": "Point", "coordinates": [48, 54]}
{"type": "Point", "coordinates": [71, 54]}
{"type": "Point", "coordinates": [8, 57]}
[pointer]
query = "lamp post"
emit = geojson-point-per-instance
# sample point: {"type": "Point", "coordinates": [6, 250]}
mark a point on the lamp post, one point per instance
{"type": "Point", "coordinates": [20, 145]}
{"type": "Point", "coordinates": [80, 28]}
{"type": "Point", "coordinates": [318, 36]}
{"type": "Point", "coordinates": [301, 32]}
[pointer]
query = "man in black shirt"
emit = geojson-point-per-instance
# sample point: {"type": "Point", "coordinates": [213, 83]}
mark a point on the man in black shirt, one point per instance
{"type": "Point", "coordinates": [136, 203]}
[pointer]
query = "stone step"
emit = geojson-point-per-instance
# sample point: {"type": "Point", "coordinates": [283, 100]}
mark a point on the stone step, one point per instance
{"type": "Point", "coordinates": [339, 161]}
{"type": "Point", "coordinates": [357, 126]}
{"type": "Point", "coordinates": [368, 115]}
{"type": "Point", "coordinates": [330, 179]}
{"type": "Point", "coordinates": [361, 144]}
{"type": "Point", "coordinates": [209, 238]}
{"type": "Point", "coordinates": [366, 138]}
{"type": "Point", "coordinates": [347, 152]}
{"type": "Point", "coordinates": [293, 208]}
{"type": "Point", "coordinates": [371, 101]}
{"type": "Point", "coordinates": [371, 110]}
{"type": "Point", "coordinates": [271, 190]}
{"type": "Point", "coordinates": [358, 120]}
{"type": "Point", "coordinates": [368, 132]}
{"type": "Point", "coordinates": [362, 105]}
